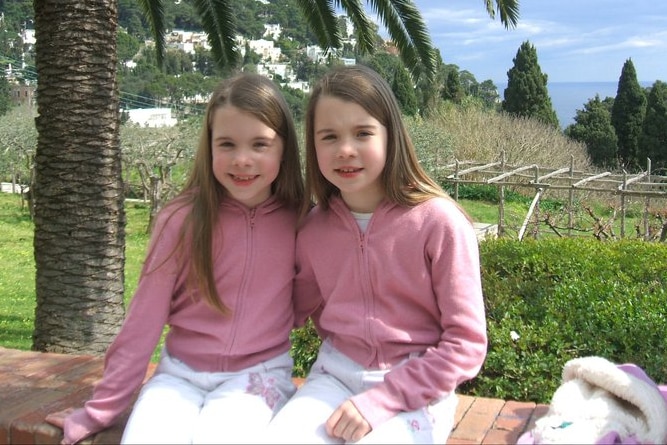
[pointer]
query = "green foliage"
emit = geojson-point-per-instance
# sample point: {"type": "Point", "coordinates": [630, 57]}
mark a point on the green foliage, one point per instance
{"type": "Point", "coordinates": [488, 93]}
{"type": "Point", "coordinates": [404, 91]}
{"type": "Point", "coordinates": [397, 76]}
{"type": "Point", "coordinates": [432, 143]}
{"type": "Point", "coordinates": [569, 298]}
{"type": "Point", "coordinates": [127, 46]}
{"type": "Point", "coordinates": [18, 142]}
{"type": "Point", "coordinates": [653, 140]}
{"type": "Point", "coordinates": [627, 116]}
{"type": "Point", "coordinates": [5, 95]}
{"type": "Point", "coordinates": [453, 90]}
{"type": "Point", "coordinates": [526, 94]}
{"type": "Point", "coordinates": [593, 127]}
{"type": "Point", "coordinates": [305, 344]}
{"type": "Point", "coordinates": [296, 99]}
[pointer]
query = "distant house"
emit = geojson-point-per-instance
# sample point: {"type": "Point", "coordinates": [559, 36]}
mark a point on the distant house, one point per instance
{"type": "Point", "coordinates": [186, 41]}
{"type": "Point", "coordinates": [28, 37]}
{"type": "Point", "coordinates": [273, 31]}
{"type": "Point", "coordinates": [151, 117]}
{"type": "Point", "coordinates": [266, 50]}
{"type": "Point", "coordinates": [271, 69]}
{"type": "Point", "coordinates": [23, 94]}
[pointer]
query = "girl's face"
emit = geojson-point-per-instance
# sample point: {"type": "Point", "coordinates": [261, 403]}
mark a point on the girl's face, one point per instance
{"type": "Point", "coordinates": [246, 155]}
{"type": "Point", "coordinates": [351, 147]}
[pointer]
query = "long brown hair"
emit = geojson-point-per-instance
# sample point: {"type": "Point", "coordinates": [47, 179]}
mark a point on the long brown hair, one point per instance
{"type": "Point", "coordinates": [260, 97]}
{"type": "Point", "coordinates": [403, 179]}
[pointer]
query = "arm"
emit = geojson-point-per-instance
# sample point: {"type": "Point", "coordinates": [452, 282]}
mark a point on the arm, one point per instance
{"type": "Point", "coordinates": [128, 356]}
{"type": "Point", "coordinates": [451, 246]}
{"type": "Point", "coordinates": [307, 297]}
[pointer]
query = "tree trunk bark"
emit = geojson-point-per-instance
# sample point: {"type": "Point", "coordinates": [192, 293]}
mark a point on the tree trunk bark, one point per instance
{"type": "Point", "coordinates": [79, 215]}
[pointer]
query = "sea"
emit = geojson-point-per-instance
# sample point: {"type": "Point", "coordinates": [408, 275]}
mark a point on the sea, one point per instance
{"type": "Point", "coordinates": [568, 97]}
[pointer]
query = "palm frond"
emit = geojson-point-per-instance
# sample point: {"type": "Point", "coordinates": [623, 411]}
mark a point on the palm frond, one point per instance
{"type": "Point", "coordinates": [508, 9]}
{"type": "Point", "coordinates": [410, 34]}
{"type": "Point", "coordinates": [362, 24]}
{"type": "Point", "coordinates": [217, 19]}
{"type": "Point", "coordinates": [154, 13]}
{"type": "Point", "coordinates": [321, 17]}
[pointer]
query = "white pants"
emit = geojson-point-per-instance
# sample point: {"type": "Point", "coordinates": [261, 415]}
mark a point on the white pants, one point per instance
{"type": "Point", "coordinates": [333, 379]}
{"type": "Point", "coordinates": [180, 405]}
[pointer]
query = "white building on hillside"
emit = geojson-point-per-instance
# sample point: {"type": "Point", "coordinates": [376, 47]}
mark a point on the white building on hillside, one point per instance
{"type": "Point", "coordinates": [271, 69]}
{"type": "Point", "coordinates": [266, 50]}
{"type": "Point", "coordinates": [186, 41]}
{"type": "Point", "coordinates": [151, 117]}
{"type": "Point", "coordinates": [272, 30]}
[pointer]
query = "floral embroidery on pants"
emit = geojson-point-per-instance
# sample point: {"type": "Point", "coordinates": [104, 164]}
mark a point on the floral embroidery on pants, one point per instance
{"type": "Point", "coordinates": [267, 390]}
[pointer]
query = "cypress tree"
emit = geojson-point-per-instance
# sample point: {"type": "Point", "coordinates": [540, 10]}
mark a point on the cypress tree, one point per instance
{"type": "Point", "coordinates": [488, 92]}
{"type": "Point", "coordinates": [526, 93]}
{"type": "Point", "coordinates": [627, 116]}
{"type": "Point", "coordinates": [404, 91]}
{"type": "Point", "coordinates": [429, 92]}
{"type": "Point", "coordinates": [653, 140]}
{"type": "Point", "coordinates": [5, 95]}
{"type": "Point", "coordinates": [453, 90]}
{"type": "Point", "coordinates": [593, 127]}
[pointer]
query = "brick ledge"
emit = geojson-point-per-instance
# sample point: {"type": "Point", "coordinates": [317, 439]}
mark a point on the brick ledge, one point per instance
{"type": "Point", "coordinates": [33, 384]}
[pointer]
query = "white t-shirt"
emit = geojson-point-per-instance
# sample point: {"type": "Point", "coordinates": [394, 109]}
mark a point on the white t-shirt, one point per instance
{"type": "Point", "coordinates": [362, 219]}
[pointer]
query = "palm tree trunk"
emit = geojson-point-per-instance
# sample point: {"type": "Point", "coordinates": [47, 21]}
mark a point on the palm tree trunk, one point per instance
{"type": "Point", "coordinates": [79, 216]}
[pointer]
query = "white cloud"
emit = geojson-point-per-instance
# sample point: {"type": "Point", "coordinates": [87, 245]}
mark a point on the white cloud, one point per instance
{"type": "Point", "coordinates": [575, 39]}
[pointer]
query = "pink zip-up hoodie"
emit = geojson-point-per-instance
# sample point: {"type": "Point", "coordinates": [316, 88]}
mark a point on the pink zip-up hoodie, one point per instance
{"type": "Point", "coordinates": [410, 284]}
{"type": "Point", "coordinates": [253, 252]}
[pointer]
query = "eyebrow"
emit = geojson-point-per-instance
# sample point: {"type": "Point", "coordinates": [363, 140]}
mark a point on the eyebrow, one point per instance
{"type": "Point", "coordinates": [255, 139]}
{"type": "Point", "coordinates": [356, 127]}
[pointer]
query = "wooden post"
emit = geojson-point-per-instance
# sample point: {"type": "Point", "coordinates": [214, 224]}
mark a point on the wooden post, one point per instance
{"type": "Point", "coordinates": [647, 201]}
{"type": "Point", "coordinates": [624, 186]}
{"type": "Point", "coordinates": [531, 209]}
{"type": "Point", "coordinates": [570, 212]}
{"type": "Point", "coordinates": [456, 181]}
{"type": "Point", "coordinates": [501, 199]}
{"type": "Point", "coordinates": [537, 204]}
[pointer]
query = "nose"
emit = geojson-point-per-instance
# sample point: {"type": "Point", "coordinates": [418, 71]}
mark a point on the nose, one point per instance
{"type": "Point", "coordinates": [242, 158]}
{"type": "Point", "coordinates": [346, 149]}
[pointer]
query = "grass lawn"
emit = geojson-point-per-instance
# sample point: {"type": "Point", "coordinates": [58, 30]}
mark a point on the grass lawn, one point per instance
{"type": "Point", "coordinates": [17, 274]}
{"type": "Point", "coordinates": [17, 267]}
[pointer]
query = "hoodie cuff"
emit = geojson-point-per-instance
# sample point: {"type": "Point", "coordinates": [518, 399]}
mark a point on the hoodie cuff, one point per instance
{"type": "Point", "coordinates": [78, 426]}
{"type": "Point", "coordinates": [375, 408]}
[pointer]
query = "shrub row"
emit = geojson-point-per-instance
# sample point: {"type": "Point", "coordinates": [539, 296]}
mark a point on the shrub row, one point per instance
{"type": "Point", "coordinates": [549, 301]}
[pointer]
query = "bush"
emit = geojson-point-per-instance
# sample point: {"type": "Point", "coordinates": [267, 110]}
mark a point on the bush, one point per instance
{"type": "Point", "coordinates": [568, 298]}
{"type": "Point", "coordinates": [565, 298]}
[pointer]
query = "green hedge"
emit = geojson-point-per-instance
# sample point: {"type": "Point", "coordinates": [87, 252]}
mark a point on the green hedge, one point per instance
{"type": "Point", "coordinates": [564, 298]}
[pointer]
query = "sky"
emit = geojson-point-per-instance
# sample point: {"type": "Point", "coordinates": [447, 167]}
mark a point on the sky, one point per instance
{"type": "Point", "coordinates": [575, 40]}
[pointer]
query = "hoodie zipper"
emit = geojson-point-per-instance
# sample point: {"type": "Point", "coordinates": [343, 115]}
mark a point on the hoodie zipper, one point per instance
{"type": "Point", "coordinates": [240, 307]}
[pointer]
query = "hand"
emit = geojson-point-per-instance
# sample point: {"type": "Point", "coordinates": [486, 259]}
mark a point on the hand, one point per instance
{"type": "Point", "coordinates": [347, 423]}
{"type": "Point", "coordinates": [58, 418]}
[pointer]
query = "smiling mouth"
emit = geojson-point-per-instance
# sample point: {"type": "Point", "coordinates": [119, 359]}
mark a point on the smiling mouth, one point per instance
{"type": "Point", "coordinates": [243, 178]}
{"type": "Point", "coordinates": [348, 170]}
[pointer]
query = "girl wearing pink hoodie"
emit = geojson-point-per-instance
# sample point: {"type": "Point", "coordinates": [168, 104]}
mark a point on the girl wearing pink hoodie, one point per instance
{"type": "Point", "coordinates": [388, 265]}
{"type": "Point", "coordinates": [219, 272]}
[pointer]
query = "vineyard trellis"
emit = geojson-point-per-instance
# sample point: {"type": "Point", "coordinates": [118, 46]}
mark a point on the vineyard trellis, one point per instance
{"type": "Point", "coordinates": [646, 186]}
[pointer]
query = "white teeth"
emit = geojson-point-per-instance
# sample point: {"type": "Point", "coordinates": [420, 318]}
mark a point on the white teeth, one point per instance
{"type": "Point", "coordinates": [348, 170]}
